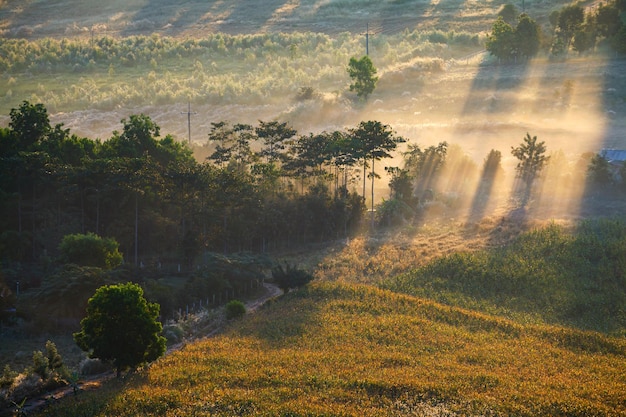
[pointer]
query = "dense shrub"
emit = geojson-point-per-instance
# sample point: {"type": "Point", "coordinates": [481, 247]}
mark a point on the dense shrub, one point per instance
{"type": "Point", "coordinates": [91, 366]}
{"type": "Point", "coordinates": [235, 309]}
{"type": "Point", "coordinates": [90, 250]}
{"type": "Point", "coordinates": [290, 277]}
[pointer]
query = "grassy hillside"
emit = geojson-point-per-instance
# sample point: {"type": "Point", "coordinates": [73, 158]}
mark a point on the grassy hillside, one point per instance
{"type": "Point", "coordinates": [555, 275]}
{"type": "Point", "coordinates": [345, 350]}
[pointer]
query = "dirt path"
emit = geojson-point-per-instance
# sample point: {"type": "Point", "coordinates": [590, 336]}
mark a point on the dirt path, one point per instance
{"type": "Point", "coordinates": [94, 382]}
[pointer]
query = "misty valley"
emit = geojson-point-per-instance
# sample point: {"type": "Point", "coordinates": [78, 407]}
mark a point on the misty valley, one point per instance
{"type": "Point", "coordinates": [312, 208]}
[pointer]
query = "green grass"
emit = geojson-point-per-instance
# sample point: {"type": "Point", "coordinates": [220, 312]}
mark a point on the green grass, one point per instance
{"type": "Point", "coordinates": [350, 350]}
{"type": "Point", "coordinates": [554, 275]}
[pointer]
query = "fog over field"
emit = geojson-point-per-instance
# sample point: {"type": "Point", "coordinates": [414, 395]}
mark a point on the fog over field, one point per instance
{"type": "Point", "coordinates": [575, 105]}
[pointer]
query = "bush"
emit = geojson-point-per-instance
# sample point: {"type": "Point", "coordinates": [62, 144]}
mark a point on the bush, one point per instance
{"type": "Point", "coordinates": [90, 250]}
{"type": "Point", "coordinates": [93, 367]}
{"type": "Point", "coordinates": [290, 277]}
{"type": "Point", "coordinates": [7, 377]}
{"type": "Point", "coordinates": [235, 309]}
{"type": "Point", "coordinates": [25, 385]}
{"type": "Point", "coordinates": [173, 333]}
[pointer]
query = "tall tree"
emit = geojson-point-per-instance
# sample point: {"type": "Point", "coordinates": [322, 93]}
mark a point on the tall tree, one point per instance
{"type": "Point", "coordinates": [501, 41]}
{"type": "Point", "coordinates": [527, 37]}
{"type": "Point", "coordinates": [607, 20]}
{"type": "Point", "coordinates": [363, 75]}
{"type": "Point", "coordinates": [223, 135]}
{"type": "Point", "coordinates": [508, 13]}
{"type": "Point", "coordinates": [374, 141]}
{"type": "Point", "coordinates": [424, 165]}
{"type": "Point", "coordinates": [275, 137]}
{"type": "Point", "coordinates": [136, 140]}
{"type": "Point", "coordinates": [30, 124]}
{"type": "Point", "coordinates": [532, 159]}
{"type": "Point", "coordinates": [570, 21]}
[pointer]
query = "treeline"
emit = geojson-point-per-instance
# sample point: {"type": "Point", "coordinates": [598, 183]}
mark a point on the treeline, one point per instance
{"type": "Point", "coordinates": [83, 54]}
{"type": "Point", "coordinates": [151, 195]}
{"type": "Point", "coordinates": [103, 72]}
{"type": "Point", "coordinates": [516, 36]}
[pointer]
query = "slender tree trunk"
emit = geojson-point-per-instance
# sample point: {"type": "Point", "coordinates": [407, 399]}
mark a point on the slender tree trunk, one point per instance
{"type": "Point", "coordinates": [19, 211]}
{"type": "Point", "coordinates": [32, 220]}
{"type": "Point", "coordinates": [373, 159]}
{"type": "Point", "coordinates": [136, 230]}
{"type": "Point", "coordinates": [364, 177]}
{"type": "Point", "coordinates": [98, 212]}
{"type": "Point", "coordinates": [82, 211]}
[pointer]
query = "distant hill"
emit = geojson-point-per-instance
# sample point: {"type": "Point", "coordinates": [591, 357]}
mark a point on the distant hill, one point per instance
{"type": "Point", "coordinates": [194, 18]}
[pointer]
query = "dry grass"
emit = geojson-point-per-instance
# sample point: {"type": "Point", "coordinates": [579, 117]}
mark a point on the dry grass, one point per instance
{"type": "Point", "coordinates": [338, 349]}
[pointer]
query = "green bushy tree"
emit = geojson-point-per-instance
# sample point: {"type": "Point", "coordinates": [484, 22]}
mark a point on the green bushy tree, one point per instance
{"type": "Point", "coordinates": [532, 158]}
{"type": "Point", "coordinates": [290, 277]}
{"type": "Point", "coordinates": [599, 171]}
{"type": "Point", "coordinates": [363, 75]}
{"type": "Point", "coordinates": [235, 309]}
{"type": "Point", "coordinates": [121, 327]}
{"type": "Point", "coordinates": [90, 250]}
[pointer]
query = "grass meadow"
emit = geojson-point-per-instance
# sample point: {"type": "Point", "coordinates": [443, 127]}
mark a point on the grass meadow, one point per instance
{"type": "Point", "coordinates": [340, 349]}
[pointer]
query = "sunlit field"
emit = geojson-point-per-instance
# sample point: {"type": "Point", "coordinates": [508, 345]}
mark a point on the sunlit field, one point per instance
{"type": "Point", "coordinates": [340, 349]}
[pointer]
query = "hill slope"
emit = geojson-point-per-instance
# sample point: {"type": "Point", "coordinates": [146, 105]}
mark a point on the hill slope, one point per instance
{"type": "Point", "coordinates": [336, 349]}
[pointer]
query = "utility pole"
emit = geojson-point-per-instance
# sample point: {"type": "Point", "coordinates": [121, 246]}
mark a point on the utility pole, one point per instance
{"type": "Point", "coordinates": [189, 113]}
{"type": "Point", "coordinates": [367, 37]}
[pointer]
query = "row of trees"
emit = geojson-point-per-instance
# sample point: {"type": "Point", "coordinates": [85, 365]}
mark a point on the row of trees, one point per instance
{"type": "Point", "coordinates": [264, 187]}
{"type": "Point", "coordinates": [516, 36]}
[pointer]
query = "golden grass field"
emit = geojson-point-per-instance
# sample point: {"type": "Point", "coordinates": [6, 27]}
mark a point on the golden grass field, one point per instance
{"type": "Point", "coordinates": [351, 350]}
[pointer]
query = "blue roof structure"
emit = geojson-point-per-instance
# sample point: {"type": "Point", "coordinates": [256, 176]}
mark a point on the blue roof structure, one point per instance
{"type": "Point", "coordinates": [614, 155]}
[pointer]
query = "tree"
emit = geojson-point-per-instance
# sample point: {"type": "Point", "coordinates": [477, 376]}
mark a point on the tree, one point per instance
{"type": "Point", "coordinates": [607, 20]}
{"type": "Point", "coordinates": [121, 327]}
{"type": "Point", "coordinates": [401, 185]}
{"type": "Point", "coordinates": [532, 159]}
{"type": "Point", "coordinates": [570, 21]}
{"type": "Point", "coordinates": [527, 37]}
{"type": "Point", "coordinates": [501, 41]}
{"type": "Point", "coordinates": [275, 137]}
{"type": "Point", "coordinates": [137, 138]}
{"type": "Point", "coordinates": [619, 41]}
{"type": "Point", "coordinates": [363, 75]}
{"type": "Point", "coordinates": [30, 123]}
{"type": "Point", "coordinates": [425, 165]}
{"type": "Point", "coordinates": [235, 309]}
{"type": "Point", "coordinates": [599, 170]}
{"type": "Point", "coordinates": [374, 141]}
{"type": "Point", "coordinates": [583, 41]}
{"type": "Point", "coordinates": [90, 250]}
{"type": "Point", "coordinates": [290, 277]}
{"type": "Point", "coordinates": [492, 166]}
{"type": "Point", "coordinates": [223, 134]}
{"type": "Point", "coordinates": [508, 13]}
